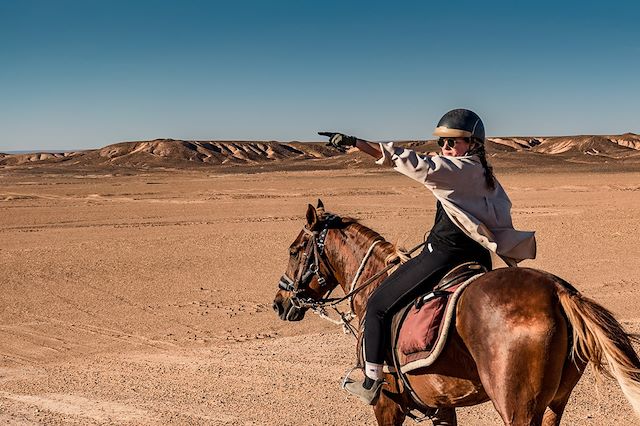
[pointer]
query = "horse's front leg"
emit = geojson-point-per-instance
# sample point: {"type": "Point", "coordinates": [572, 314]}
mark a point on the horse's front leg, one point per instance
{"type": "Point", "coordinates": [391, 413]}
{"type": "Point", "coordinates": [389, 408]}
{"type": "Point", "coordinates": [388, 412]}
{"type": "Point", "coordinates": [445, 417]}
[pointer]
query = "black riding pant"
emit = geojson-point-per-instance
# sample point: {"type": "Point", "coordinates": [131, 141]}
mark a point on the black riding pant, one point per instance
{"type": "Point", "coordinates": [410, 280]}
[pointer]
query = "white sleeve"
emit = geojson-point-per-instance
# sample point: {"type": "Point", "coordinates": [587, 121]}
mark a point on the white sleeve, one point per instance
{"type": "Point", "coordinates": [406, 161]}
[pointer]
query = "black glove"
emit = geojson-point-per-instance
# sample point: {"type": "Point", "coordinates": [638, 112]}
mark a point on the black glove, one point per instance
{"type": "Point", "coordinates": [339, 140]}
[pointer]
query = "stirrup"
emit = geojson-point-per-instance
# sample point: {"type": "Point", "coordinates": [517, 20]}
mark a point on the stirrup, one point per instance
{"type": "Point", "coordinates": [348, 379]}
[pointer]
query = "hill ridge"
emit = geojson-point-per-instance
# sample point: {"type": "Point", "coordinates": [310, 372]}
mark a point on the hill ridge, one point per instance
{"type": "Point", "coordinates": [176, 153]}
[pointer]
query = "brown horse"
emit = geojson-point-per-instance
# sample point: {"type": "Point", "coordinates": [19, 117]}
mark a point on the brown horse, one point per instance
{"type": "Point", "coordinates": [522, 337]}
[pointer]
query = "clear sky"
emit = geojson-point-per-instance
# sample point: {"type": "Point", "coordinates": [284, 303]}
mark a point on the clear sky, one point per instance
{"type": "Point", "coordinates": [88, 73]}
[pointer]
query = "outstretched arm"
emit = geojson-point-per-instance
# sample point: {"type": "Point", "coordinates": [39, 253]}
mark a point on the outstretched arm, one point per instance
{"type": "Point", "coordinates": [424, 169]}
{"type": "Point", "coordinates": [369, 148]}
{"type": "Point", "coordinates": [340, 141]}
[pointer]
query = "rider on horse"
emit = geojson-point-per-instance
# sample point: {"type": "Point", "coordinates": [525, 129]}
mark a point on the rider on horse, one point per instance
{"type": "Point", "coordinates": [473, 218]}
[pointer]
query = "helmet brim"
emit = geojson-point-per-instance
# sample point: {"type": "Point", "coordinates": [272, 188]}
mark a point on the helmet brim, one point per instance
{"type": "Point", "coordinates": [451, 133]}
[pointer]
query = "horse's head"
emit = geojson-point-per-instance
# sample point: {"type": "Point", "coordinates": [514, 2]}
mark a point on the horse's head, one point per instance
{"type": "Point", "coordinates": [308, 276]}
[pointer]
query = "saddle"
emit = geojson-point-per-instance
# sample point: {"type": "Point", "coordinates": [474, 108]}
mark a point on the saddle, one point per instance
{"type": "Point", "coordinates": [419, 330]}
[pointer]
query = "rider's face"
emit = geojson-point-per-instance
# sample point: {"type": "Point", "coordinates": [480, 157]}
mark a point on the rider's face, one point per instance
{"type": "Point", "coordinates": [455, 147]}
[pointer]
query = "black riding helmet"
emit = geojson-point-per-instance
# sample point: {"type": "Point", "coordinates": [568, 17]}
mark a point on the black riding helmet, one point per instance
{"type": "Point", "coordinates": [460, 123]}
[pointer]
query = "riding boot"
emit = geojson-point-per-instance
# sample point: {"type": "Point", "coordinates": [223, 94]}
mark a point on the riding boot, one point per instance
{"type": "Point", "coordinates": [367, 391]}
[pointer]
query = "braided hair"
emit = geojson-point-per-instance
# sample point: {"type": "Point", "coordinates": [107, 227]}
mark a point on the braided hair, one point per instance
{"type": "Point", "coordinates": [478, 150]}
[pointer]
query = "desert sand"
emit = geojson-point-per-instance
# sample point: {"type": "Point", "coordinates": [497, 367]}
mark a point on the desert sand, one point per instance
{"type": "Point", "coordinates": [144, 296]}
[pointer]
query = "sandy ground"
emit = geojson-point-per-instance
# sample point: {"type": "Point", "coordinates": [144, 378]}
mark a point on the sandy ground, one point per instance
{"type": "Point", "coordinates": [146, 299]}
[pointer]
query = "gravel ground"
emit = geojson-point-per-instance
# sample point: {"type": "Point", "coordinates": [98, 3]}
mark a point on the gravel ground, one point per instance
{"type": "Point", "coordinates": [146, 298]}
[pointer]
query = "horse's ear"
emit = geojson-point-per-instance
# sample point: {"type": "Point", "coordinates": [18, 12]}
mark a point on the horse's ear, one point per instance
{"type": "Point", "coordinates": [312, 216]}
{"type": "Point", "coordinates": [320, 207]}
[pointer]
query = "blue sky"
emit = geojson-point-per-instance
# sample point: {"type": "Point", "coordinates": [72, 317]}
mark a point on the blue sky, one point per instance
{"type": "Point", "coordinates": [87, 73]}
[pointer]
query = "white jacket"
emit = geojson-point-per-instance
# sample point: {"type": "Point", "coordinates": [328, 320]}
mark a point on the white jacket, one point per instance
{"type": "Point", "coordinates": [458, 183]}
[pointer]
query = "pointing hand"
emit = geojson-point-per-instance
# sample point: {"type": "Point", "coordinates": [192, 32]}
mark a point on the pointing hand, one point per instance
{"type": "Point", "coordinates": [339, 140]}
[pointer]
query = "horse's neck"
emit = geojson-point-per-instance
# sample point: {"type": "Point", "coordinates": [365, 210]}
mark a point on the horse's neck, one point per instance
{"type": "Point", "coordinates": [347, 252]}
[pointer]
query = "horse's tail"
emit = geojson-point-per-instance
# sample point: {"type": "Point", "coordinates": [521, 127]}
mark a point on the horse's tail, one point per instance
{"type": "Point", "coordinates": [599, 338]}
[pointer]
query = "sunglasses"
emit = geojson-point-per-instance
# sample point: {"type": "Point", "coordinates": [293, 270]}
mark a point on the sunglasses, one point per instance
{"type": "Point", "coordinates": [448, 142]}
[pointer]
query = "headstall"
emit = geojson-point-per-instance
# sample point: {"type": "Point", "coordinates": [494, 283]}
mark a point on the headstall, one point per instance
{"type": "Point", "coordinates": [312, 257]}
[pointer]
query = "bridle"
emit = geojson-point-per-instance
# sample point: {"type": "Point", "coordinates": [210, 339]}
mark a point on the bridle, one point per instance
{"type": "Point", "coordinates": [311, 259]}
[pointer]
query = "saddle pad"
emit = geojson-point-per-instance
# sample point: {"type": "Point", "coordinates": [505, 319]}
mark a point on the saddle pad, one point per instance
{"type": "Point", "coordinates": [423, 332]}
{"type": "Point", "coordinates": [421, 326]}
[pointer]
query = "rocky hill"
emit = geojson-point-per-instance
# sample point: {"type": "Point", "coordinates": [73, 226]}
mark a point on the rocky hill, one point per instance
{"type": "Point", "coordinates": [607, 146]}
{"type": "Point", "coordinates": [178, 153]}
{"type": "Point", "coordinates": [169, 152]}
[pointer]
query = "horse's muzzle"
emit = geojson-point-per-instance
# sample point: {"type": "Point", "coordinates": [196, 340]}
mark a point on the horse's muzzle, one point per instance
{"type": "Point", "coordinates": [286, 310]}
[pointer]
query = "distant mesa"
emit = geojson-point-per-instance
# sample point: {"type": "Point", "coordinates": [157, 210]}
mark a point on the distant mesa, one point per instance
{"type": "Point", "coordinates": [565, 147]}
{"type": "Point", "coordinates": [178, 153]}
{"type": "Point", "coordinates": [610, 146]}
{"type": "Point", "coordinates": [35, 157]}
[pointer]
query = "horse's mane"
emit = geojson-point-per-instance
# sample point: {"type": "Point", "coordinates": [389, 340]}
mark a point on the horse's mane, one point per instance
{"type": "Point", "coordinates": [389, 252]}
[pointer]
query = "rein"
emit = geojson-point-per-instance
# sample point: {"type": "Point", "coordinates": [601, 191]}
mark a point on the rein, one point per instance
{"type": "Point", "coordinates": [364, 262]}
{"type": "Point", "coordinates": [319, 306]}
{"type": "Point", "coordinates": [334, 301]}
{"type": "Point", "coordinates": [345, 317]}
